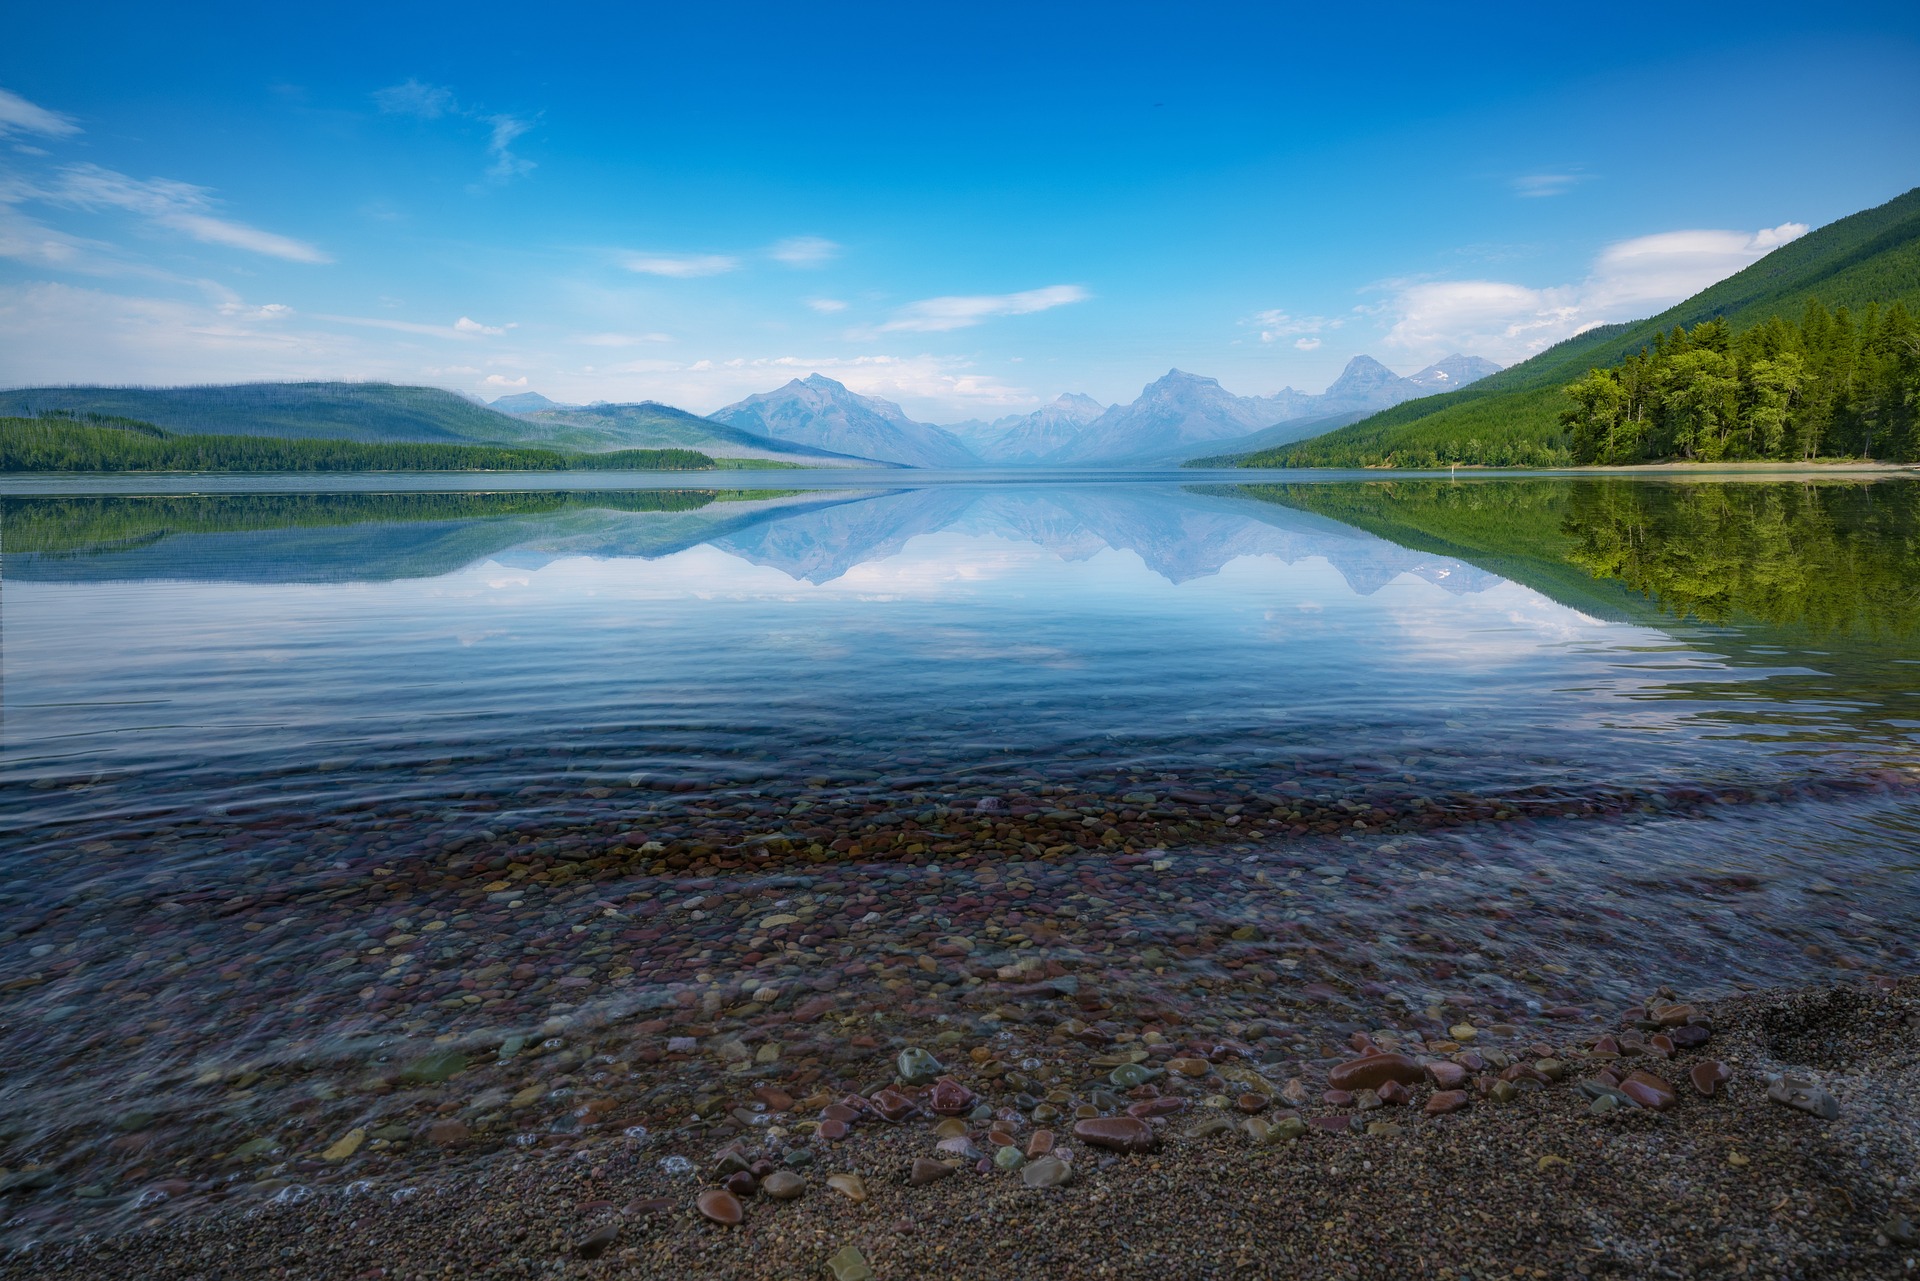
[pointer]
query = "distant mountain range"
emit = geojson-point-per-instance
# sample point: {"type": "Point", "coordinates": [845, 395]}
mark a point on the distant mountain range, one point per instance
{"type": "Point", "coordinates": [1175, 418]}
{"type": "Point", "coordinates": [813, 420]}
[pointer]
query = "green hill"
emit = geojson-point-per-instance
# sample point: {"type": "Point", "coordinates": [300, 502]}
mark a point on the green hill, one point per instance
{"type": "Point", "coordinates": [1512, 417]}
{"type": "Point", "coordinates": [378, 412]}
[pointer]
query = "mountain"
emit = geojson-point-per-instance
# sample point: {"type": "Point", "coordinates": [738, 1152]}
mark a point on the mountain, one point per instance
{"type": "Point", "coordinates": [818, 411]}
{"type": "Point", "coordinates": [1177, 409]}
{"type": "Point", "coordinates": [1182, 415]}
{"type": "Point", "coordinates": [1027, 438]}
{"type": "Point", "coordinates": [314, 410]}
{"type": "Point", "coordinates": [1868, 257]}
{"type": "Point", "coordinates": [525, 402]}
{"type": "Point", "coordinates": [1446, 373]}
{"type": "Point", "coordinates": [648, 424]}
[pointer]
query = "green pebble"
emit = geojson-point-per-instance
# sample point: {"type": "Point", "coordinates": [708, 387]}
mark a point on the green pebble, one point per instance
{"type": "Point", "coordinates": [1009, 1158]}
{"type": "Point", "coordinates": [917, 1067]}
{"type": "Point", "coordinates": [434, 1068]}
{"type": "Point", "coordinates": [850, 1265]}
{"type": "Point", "coordinates": [1129, 1075]}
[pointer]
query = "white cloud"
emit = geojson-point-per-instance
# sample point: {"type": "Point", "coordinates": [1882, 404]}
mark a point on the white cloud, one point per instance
{"type": "Point", "coordinates": [680, 266]}
{"type": "Point", "coordinates": [826, 306]}
{"type": "Point", "coordinates": [1534, 186]}
{"type": "Point", "coordinates": [468, 326]}
{"type": "Point", "coordinates": [455, 330]}
{"type": "Point", "coordinates": [506, 166]}
{"type": "Point", "coordinates": [1630, 279]}
{"type": "Point", "coordinates": [412, 98]}
{"type": "Point", "coordinates": [939, 315]}
{"type": "Point", "coordinates": [266, 311]}
{"type": "Point", "coordinates": [178, 206]}
{"type": "Point", "coordinates": [501, 380]}
{"type": "Point", "coordinates": [1276, 324]}
{"type": "Point", "coordinates": [621, 340]}
{"type": "Point", "coordinates": [17, 115]}
{"type": "Point", "coordinates": [1306, 344]}
{"type": "Point", "coordinates": [805, 251]}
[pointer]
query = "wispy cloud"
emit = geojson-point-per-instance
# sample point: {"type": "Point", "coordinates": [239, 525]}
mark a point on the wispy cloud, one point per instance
{"type": "Point", "coordinates": [1534, 186]}
{"type": "Point", "coordinates": [826, 306]}
{"type": "Point", "coordinates": [412, 98]}
{"type": "Point", "coordinates": [621, 340]}
{"type": "Point", "coordinates": [680, 266]}
{"type": "Point", "coordinates": [464, 328]}
{"type": "Point", "coordinates": [501, 380]}
{"type": "Point", "coordinates": [17, 116]}
{"type": "Point", "coordinates": [1276, 324]}
{"type": "Point", "coordinates": [1306, 344]}
{"type": "Point", "coordinates": [506, 166]}
{"type": "Point", "coordinates": [1629, 279]}
{"type": "Point", "coordinates": [804, 251]}
{"type": "Point", "coordinates": [962, 311]}
{"type": "Point", "coordinates": [179, 206]}
{"type": "Point", "coordinates": [423, 101]}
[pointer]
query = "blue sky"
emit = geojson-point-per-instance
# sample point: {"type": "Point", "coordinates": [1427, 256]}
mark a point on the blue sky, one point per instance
{"type": "Point", "coordinates": [968, 209]}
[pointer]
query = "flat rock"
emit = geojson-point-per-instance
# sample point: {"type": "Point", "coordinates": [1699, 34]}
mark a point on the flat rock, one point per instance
{"type": "Point", "coordinates": [1442, 1102]}
{"type": "Point", "coordinates": [1649, 1091]}
{"type": "Point", "coordinates": [1447, 1076]}
{"type": "Point", "coordinates": [1804, 1096]}
{"type": "Point", "coordinates": [926, 1170]}
{"type": "Point", "coordinates": [1373, 1071]}
{"type": "Point", "coordinates": [1117, 1133]}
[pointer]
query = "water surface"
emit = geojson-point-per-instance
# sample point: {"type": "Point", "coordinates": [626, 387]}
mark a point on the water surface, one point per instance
{"type": "Point", "coordinates": [649, 797]}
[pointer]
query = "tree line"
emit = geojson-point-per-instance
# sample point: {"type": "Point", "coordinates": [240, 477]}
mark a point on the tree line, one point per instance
{"type": "Point", "coordinates": [1833, 385]}
{"type": "Point", "coordinates": [100, 444]}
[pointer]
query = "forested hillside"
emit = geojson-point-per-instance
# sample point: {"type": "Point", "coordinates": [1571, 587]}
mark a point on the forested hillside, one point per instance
{"type": "Point", "coordinates": [1867, 261]}
{"type": "Point", "coordinates": [55, 444]}
{"type": "Point", "coordinates": [325, 410]}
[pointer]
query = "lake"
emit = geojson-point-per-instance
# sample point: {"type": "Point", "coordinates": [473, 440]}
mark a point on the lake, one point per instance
{"type": "Point", "coordinates": [364, 830]}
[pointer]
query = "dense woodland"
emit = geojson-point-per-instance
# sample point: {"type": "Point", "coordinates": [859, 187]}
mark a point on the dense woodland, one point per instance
{"type": "Point", "coordinates": [62, 443]}
{"type": "Point", "coordinates": [1826, 558]}
{"type": "Point", "coordinates": [1832, 385]}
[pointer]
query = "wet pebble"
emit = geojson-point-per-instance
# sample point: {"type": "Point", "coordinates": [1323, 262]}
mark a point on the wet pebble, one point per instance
{"type": "Point", "coordinates": [783, 1185]}
{"type": "Point", "coordinates": [718, 1205]}
{"type": "Point", "coordinates": [1117, 1134]}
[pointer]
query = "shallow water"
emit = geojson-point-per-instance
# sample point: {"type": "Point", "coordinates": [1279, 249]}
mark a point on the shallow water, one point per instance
{"type": "Point", "coordinates": [300, 791]}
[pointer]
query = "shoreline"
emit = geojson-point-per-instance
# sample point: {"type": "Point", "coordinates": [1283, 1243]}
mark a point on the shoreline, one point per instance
{"type": "Point", "coordinates": [1539, 1186]}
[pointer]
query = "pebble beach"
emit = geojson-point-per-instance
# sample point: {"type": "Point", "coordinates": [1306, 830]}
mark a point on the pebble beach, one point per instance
{"type": "Point", "coordinates": [1566, 1176]}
